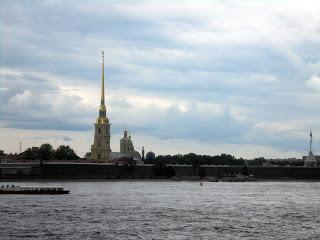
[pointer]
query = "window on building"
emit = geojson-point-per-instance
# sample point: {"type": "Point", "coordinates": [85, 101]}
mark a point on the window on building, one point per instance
{"type": "Point", "coordinates": [99, 130]}
{"type": "Point", "coordinates": [98, 143]}
{"type": "Point", "coordinates": [99, 156]}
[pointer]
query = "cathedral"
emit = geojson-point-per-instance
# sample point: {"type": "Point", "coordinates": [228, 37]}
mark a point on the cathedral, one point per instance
{"type": "Point", "coordinates": [100, 149]}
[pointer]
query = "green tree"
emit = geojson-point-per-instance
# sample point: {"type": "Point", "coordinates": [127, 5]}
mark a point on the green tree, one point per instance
{"type": "Point", "coordinates": [87, 155]}
{"type": "Point", "coordinates": [45, 151]}
{"type": "Point", "coordinates": [65, 152]}
{"type": "Point", "coordinates": [29, 154]}
{"type": "Point", "coordinates": [257, 161]}
{"type": "Point", "coordinates": [192, 159]}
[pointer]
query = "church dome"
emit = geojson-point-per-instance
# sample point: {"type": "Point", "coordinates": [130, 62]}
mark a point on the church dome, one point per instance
{"type": "Point", "coordinates": [136, 155]}
{"type": "Point", "coordinates": [150, 156]}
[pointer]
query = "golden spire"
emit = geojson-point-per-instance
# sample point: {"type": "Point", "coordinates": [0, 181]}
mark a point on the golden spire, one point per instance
{"type": "Point", "coordinates": [102, 80]}
{"type": "Point", "coordinates": [102, 110]}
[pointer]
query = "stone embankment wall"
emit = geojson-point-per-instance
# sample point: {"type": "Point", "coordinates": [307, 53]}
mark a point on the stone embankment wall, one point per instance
{"type": "Point", "coordinates": [183, 172]}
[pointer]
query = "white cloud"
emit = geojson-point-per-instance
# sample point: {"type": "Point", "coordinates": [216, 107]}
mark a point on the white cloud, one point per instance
{"type": "Point", "coordinates": [21, 99]}
{"type": "Point", "coordinates": [3, 89]}
{"type": "Point", "coordinates": [313, 82]}
{"type": "Point", "coordinates": [294, 128]}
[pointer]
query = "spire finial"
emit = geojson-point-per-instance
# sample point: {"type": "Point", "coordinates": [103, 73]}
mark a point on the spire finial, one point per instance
{"type": "Point", "coordinates": [102, 108]}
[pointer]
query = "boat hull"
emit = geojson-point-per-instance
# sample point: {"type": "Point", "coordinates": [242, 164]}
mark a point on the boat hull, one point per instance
{"type": "Point", "coordinates": [32, 190]}
{"type": "Point", "coordinates": [35, 192]}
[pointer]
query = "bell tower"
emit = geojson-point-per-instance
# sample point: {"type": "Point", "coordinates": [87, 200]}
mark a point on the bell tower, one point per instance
{"type": "Point", "coordinates": [100, 150]}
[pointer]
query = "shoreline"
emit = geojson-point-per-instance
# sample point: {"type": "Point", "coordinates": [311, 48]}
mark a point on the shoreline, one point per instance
{"type": "Point", "coordinates": [85, 172]}
{"type": "Point", "coordinates": [154, 180]}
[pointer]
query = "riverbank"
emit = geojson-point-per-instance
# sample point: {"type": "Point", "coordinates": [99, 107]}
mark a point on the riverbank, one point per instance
{"type": "Point", "coordinates": [41, 180]}
{"type": "Point", "coordinates": [94, 171]}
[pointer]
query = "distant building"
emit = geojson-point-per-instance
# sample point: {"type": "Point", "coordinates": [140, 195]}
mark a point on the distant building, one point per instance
{"type": "Point", "coordinates": [35, 149]}
{"type": "Point", "coordinates": [100, 150]}
{"type": "Point", "coordinates": [123, 158]}
{"type": "Point", "coordinates": [310, 160]}
{"type": "Point", "coordinates": [127, 150]}
{"type": "Point", "coordinates": [317, 157]}
{"type": "Point", "coordinates": [126, 145]}
{"type": "Point", "coordinates": [8, 157]}
{"type": "Point", "coordinates": [2, 156]}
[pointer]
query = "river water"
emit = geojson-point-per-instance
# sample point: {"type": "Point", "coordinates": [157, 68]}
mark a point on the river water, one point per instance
{"type": "Point", "coordinates": [164, 210]}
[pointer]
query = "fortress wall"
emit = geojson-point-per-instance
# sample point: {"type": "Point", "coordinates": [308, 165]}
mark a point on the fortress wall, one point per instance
{"type": "Point", "coordinates": [97, 171]}
{"type": "Point", "coordinates": [184, 172]}
{"type": "Point", "coordinates": [285, 172]}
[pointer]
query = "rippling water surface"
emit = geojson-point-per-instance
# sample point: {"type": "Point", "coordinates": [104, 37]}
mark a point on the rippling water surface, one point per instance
{"type": "Point", "coordinates": [164, 210]}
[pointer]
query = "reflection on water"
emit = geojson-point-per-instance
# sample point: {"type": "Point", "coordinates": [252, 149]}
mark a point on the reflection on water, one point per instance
{"type": "Point", "coordinates": [164, 210]}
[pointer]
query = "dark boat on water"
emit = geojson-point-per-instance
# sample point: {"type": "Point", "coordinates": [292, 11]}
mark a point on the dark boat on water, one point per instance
{"type": "Point", "coordinates": [32, 190]}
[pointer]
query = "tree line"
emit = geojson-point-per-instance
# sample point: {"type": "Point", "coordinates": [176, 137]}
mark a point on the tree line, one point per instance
{"type": "Point", "coordinates": [223, 159]}
{"type": "Point", "coordinates": [46, 152]}
{"type": "Point", "coordinates": [274, 162]}
{"type": "Point", "coordinates": [195, 160]}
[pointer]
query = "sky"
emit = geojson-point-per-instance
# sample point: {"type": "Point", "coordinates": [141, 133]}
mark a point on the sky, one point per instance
{"type": "Point", "coordinates": [209, 77]}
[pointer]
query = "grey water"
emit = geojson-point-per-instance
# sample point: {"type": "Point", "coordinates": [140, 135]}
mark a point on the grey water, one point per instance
{"type": "Point", "coordinates": [164, 210]}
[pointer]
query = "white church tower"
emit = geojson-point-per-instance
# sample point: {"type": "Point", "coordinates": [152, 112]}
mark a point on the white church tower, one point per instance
{"type": "Point", "coordinates": [310, 160]}
{"type": "Point", "coordinates": [100, 150]}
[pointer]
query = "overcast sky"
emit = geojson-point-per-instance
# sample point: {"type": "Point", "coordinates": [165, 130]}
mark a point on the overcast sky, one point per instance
{"type": "Point", "coordinates": [241, 77]}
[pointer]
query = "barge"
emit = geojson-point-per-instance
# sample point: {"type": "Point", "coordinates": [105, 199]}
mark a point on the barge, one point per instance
{"type": "Point", "coordinates": [32, 190]}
